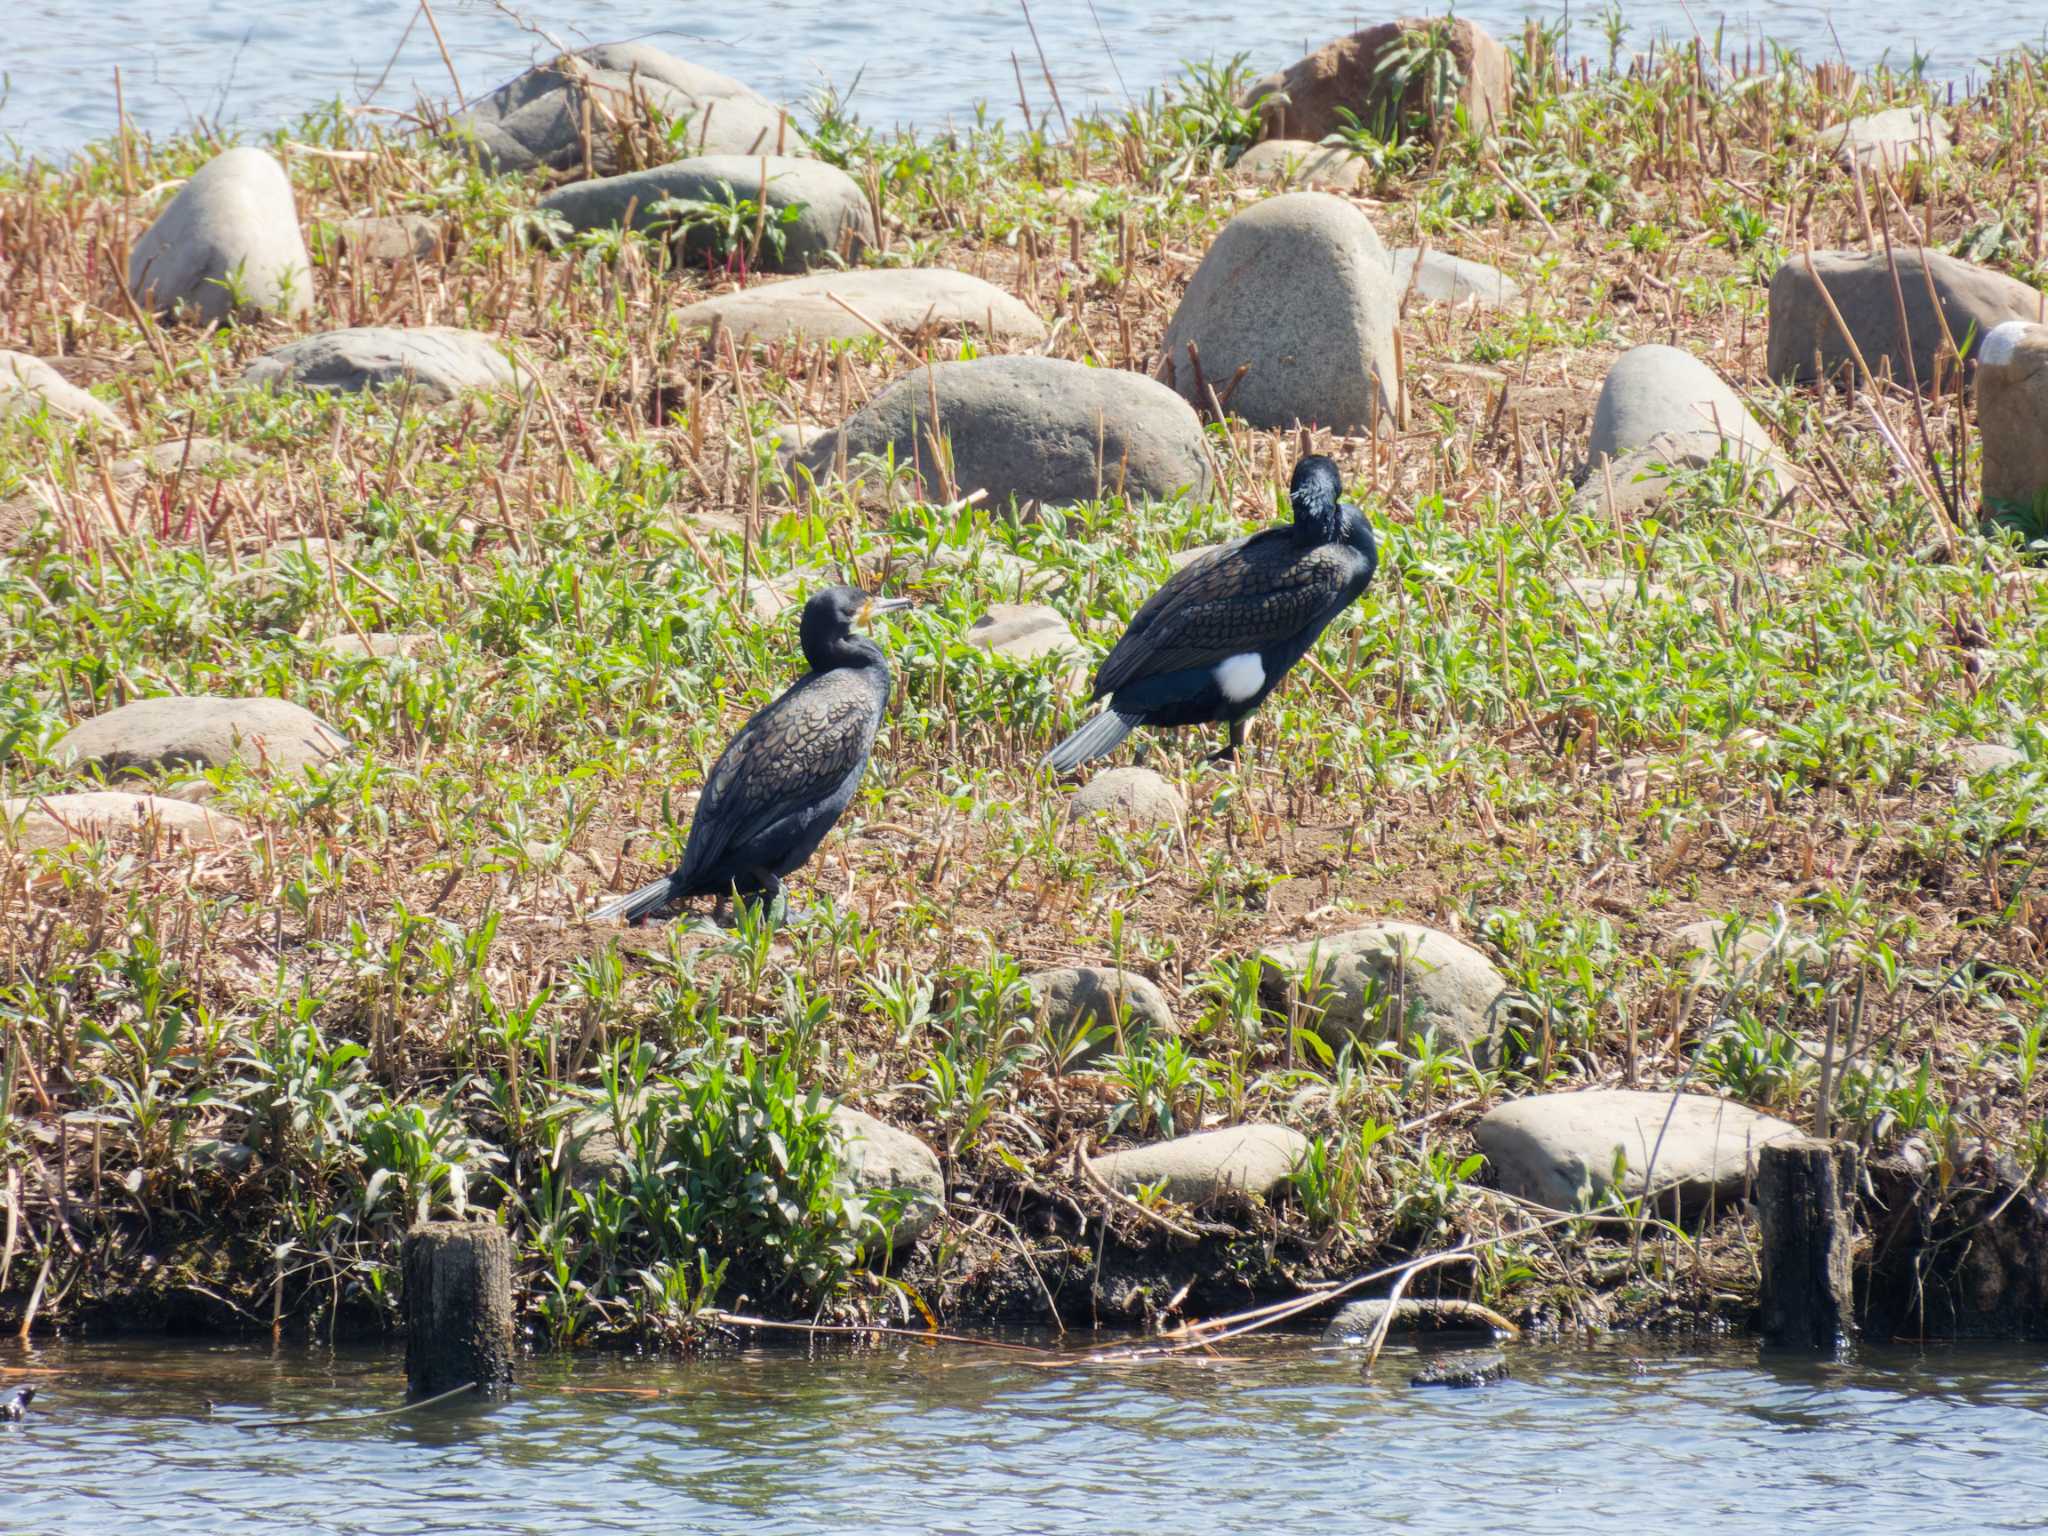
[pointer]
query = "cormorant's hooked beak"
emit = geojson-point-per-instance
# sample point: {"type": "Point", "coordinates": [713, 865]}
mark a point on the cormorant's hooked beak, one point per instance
{"type": "Point", "coordinates": [875, 605]}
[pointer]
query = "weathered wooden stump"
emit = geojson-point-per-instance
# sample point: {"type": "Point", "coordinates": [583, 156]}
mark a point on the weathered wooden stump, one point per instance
{"type": "Point", "coordinates": [1807, 1299]}
{"type": "Point", "coordinates": [458, 1307]}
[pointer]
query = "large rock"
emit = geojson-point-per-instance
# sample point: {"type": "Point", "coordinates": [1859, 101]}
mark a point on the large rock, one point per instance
{"type": "Point", "coordinates": [1299, 163]}
{"type": "Point", "coordinates": [1135, 796]}
{"type": "Point", "coordinates": [55, 821]}
{"type": "Point", "coordinates": [1633, 483]}
{"type": "Point", "coordinates": [1973, 299]}
{"type": "Point", "coordinates": [834, 217]}
{"type": "Point", "coordinates": [1032, 428]}
{"type": "Point", "coordinates": [1024, 632]}
{"type": "Point", "coordinates": [883, 1160]}
{"type": "Point", "coordinates": [1210, 1167]}
{"type": "Point", "coordinates": [1721, 953]}
{"type": "Point", "coordinates": [905, 300]}
{"type": "Point", "coordinates": [536, 120]}
{"type": "Point", "coordinates": [1304, 100]}
{"type": "Point", "coordinates": [1448, 279]}
{"type": "Point", "coordinates": [439, 362]}
{"type": "Point", "coordinates": [389, 236]}
{"type": "Point", "coordinates": [1558, 1149]}
{"type": "Point", "coordinates": [2012, 413]}
{"type": "Point", "coordinates": [1299, 287]}
{"type": "Point", "coordinates": [28, 384]}
{"type": "Point", "coordinates": [1889, 139]}
{"type": "Point", "coordinates": [179, 732]}
{"type": "Point", "coordinates": [1075, 997]}
{"type": "Point", "coordinates": [228, 246]}
{"type": "Point", "coordinates": [1977, 759]}
{"type": "Point", "coordinates": [1390, 974]}
{"type": "Point", "coordinates": [1656, 392]}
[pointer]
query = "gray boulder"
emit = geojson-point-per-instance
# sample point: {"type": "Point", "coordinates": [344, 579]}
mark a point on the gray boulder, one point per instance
{"type": "Point", "coordinates": [1718, 953]}
{"type": "Point", "coordinates": [1630, 484]}
{"type": "Point", "coordinates": [1074, 997]}
{"type": "Point", "coordinates": [382, 646]}
{"type": "Point", "coordinates": [1388, 974]}
{"type": "Point", "coordinates": [1974, 759]}
{"type": "Point", "coordinates": [390, 236]}
{"type": "Point", "coordinates": [1448, 279]}
{"type": "Point", "coordinates": [232, 231]}
{"type": "Point", "coordinates": [1889, 139]}
{"type": "Point", "coordinates": [1024, 632]}
{"type": "Point", "coordinates": [55, 821]}
{"type": "Point", "coordinates": [536, 120]}
{"type": "Point", "coordinates": [1558, 1149]}
{"type": "Point", "coordinates": [1032, 428]}
{"type": "Point", "coordinates": [880, 1159]}
{"type": "Point", "coordinates": [438, 361]}
{"type": "Point", "coordinates": [1135, 796]}
{"type": "Point", "coordinates": [28, 384]}
{"type": "Point", "coordinates": [180, 732]}
{"type": "Point", "coordinates": [1353, 74]}
{"type": "Point", "coordinates": [1299, 163]}
{"type": "Point", "coordinates": [834, 217]}
{"type": "Point", "coordinates": [1654, 392]}
{"type": "Point", "coordinates": [906, 300]}
{"type": "Point", "coordinates": [2012, 413]}
{"type": "Point", "coordinates": [1209, 1167]}
{"type": "Point", "coordinates": [1299, 288]}
{"type": "Point", "coordinates": [1973, 299]}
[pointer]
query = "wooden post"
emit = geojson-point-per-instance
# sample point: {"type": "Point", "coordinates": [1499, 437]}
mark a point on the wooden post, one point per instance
{"type": "Point", "coordinates": [1807, 1299]}
{"type": "Point", "coordinates": [458, 1307]}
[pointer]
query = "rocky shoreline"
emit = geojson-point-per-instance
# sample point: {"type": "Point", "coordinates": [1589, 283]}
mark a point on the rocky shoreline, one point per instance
{"type": "Point", "coordinates": [427, 507]}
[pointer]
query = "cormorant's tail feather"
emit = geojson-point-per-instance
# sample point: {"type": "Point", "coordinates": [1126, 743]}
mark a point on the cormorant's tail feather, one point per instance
{"type": "Point", "coordinates": [635, 905]}
{"type": "Point", "coordinates": [1098, 736]}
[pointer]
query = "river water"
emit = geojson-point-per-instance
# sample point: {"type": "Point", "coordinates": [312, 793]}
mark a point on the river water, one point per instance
{"type": "Point", "coordinates": [260, 63]}
{"type": "Point", "coordinates": [1626, 1436]}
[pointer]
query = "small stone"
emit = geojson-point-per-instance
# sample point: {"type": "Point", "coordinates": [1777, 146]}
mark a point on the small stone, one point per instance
{"type": "Point", "coordinates": [1137, 796]}
{"type": "Point", "coordinates": [1024, 632]}
{"type": "Point", "coordinates": [1973, 300]}
{"type": "Point", "coordinates": [1753, 947]}
{"type": "Point", "coordinates": [1447, 279]}
{"type": "Point", "coordinates": [391, 236]}
{"type": "Point", "coordinates": [537, 119]}
{"type": "Point", "coordinates": [1558, 1149]}
{"type": "Point", "coordinates": [1298, 163]}
{"type": "Point", "coordinates": [883, 1160]}
{"type": "Point", "coordinates": [1075, 997]}
{"type": "Point", "coordinates": [1030, 429]}
{"type": "Point", "coordinates": [833, 219]}
{"type": "Point", "coordinates": [201, 733]}
{"type": "Point", "coordinates": [1977, 758]}
{"type": "Point", "coordinates": [907, 301]}
{"type": "Point", "coordinates": [1209, 1167]}
{"type": "Point", "coordinates": [1443, 983]}
{"type": "Point", "coordinates": [1887, 140]}
{"type": "Point", "coordinates": [1603, 594]}
{"type": "Point", "coordinates": [381, 646]}
{"type": "Point", "coordinates": [28, 384]}
{"type": "Point", "coordinates": [55, 821]}
{"type": "Point", "coordinates": [2012, 414]}
{"type": "Point", "coordinates": [1465, 1368]}
{"type": "Point", "coordinates": [1298, 288]}
{"type": "Point", "coordinates": [232, 232]}
{"type": "Point", "coordinates": [1657, 391]}
{"type": "Point", "coordinates": [1309, 98]}
{"type": "Point", "coordinates": [167, 458]}
{"type": "Point", "coordinates": [438, 362]}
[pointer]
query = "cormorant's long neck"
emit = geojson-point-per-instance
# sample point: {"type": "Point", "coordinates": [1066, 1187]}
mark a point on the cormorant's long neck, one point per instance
{"type": "Point", "coordinates": [828, 653]}
{"type": "Point", "coordinates": [1318, 518]}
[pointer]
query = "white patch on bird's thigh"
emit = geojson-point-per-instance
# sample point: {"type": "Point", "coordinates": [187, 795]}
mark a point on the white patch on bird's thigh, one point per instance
{"type": "Point", "coordinates": [1239, 677]}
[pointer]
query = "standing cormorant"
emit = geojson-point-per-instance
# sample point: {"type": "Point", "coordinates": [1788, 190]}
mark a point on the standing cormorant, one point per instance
{"type": "Point", "coordinates": [1218, 637]}
{"type": "Point", "coordinates": [786, 778]}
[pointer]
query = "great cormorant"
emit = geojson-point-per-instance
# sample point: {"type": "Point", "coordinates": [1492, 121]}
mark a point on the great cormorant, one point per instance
{"type": "Point", "coordinates": [787, 777]}
{"type": "Point", "coordinates": [1218, 637]}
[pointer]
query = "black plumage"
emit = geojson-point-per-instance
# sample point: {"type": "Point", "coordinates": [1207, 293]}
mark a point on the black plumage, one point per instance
{"type": "Point", "coordinates": [15, 1409]}
{"type": "Point", "coordinates": [1218, 637]}
{"type": "Point", "coordinates": [784, 781]}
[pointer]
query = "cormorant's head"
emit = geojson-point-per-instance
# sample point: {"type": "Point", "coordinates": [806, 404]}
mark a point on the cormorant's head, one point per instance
{"type": "Point", "coordinates": [831, 616]}
{"type": "Point", "coordinates": [1316, 492]}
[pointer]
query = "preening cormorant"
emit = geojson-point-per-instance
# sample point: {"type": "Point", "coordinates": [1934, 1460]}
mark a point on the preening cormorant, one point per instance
{"type": "Point", "coordinates": [786, 778]}
{"type": "Point", "coordinates": [1218, 637]}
